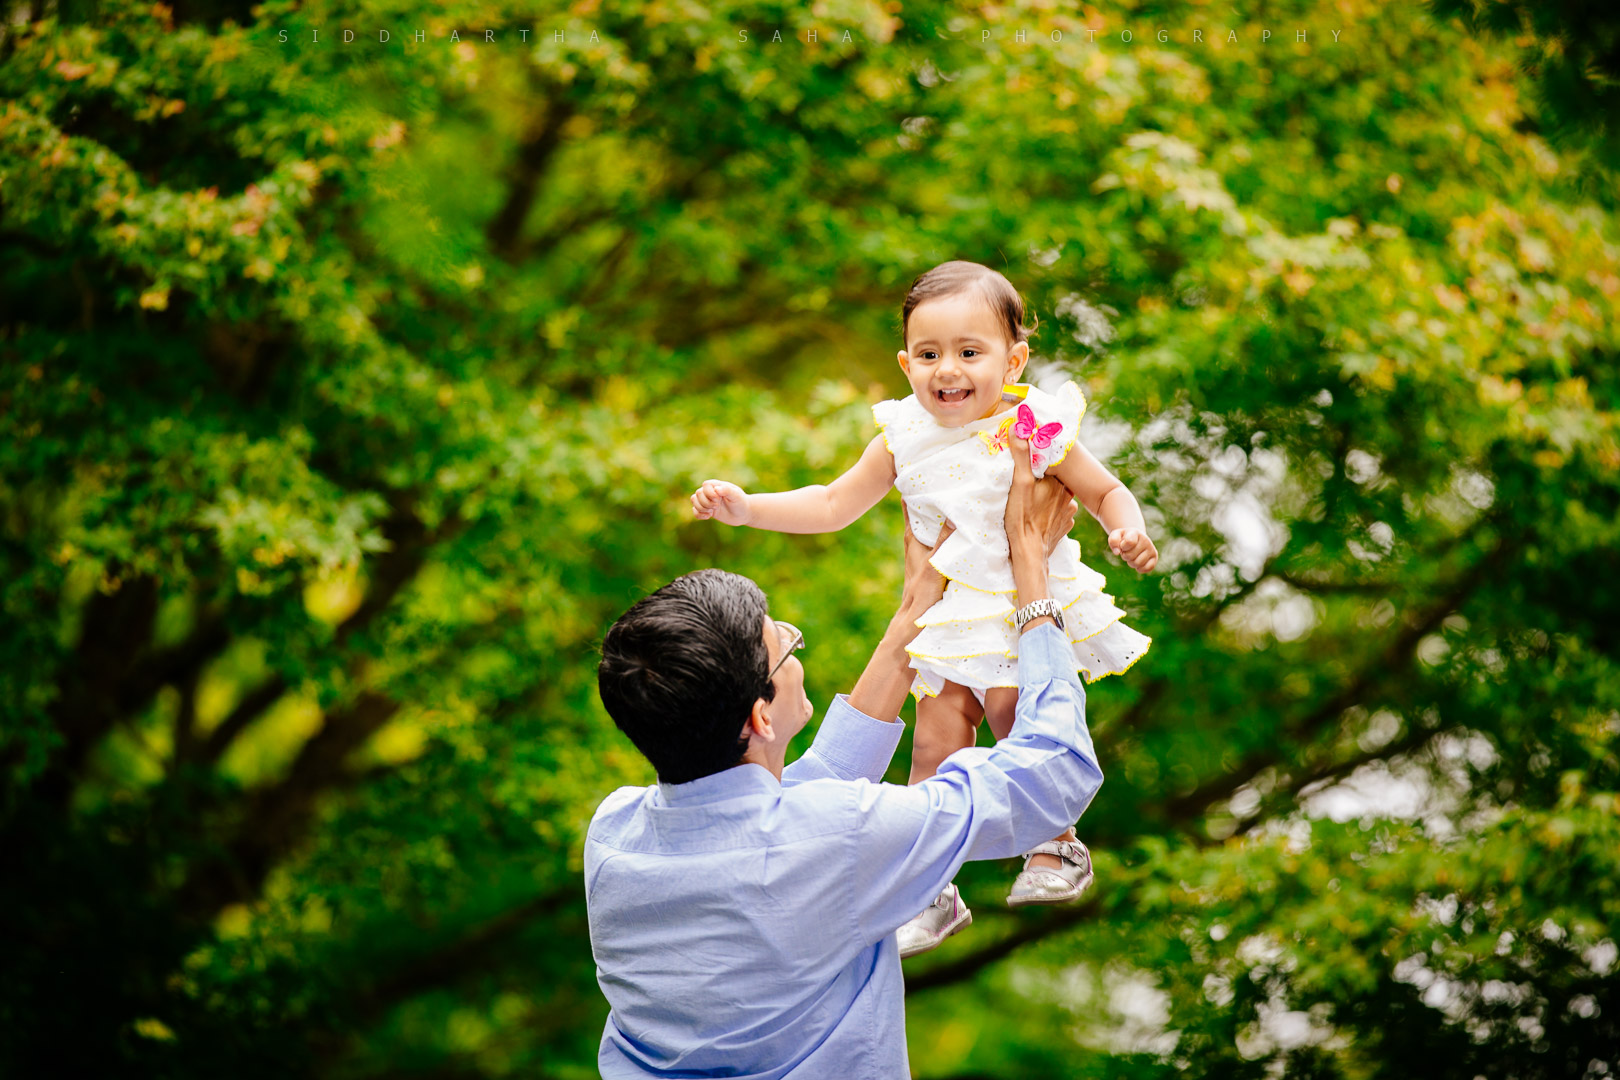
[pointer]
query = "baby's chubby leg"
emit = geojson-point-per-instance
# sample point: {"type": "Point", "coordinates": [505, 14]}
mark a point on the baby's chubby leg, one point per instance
{"type": "Point", "coordinates": [945, 724]}
{"type": "Point", "coordinates": [1000, 705]}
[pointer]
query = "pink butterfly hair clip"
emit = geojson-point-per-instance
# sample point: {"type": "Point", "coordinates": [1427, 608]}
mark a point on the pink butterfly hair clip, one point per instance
{"type": "Point", "coordinates": [1039, 437]}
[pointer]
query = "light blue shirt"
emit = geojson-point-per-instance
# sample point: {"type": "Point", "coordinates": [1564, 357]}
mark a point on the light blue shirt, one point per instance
{"type": "Point", "coordinates": [746, 928]}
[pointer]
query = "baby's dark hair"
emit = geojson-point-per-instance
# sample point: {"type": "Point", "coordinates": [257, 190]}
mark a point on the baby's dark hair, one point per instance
{"type": "Point", "coordinates": [959, 276]}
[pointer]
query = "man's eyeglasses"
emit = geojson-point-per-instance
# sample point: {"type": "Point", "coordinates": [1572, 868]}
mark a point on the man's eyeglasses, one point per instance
{"type": "Point", "coordinates": [792, 640]}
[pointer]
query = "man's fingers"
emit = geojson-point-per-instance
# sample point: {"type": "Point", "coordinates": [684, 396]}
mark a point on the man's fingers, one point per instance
{"type": "Point", "coordinates": [1020, 457]}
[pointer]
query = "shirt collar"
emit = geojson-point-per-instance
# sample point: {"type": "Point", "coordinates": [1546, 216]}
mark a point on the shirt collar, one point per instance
{"type": "Point", "coordinates": [745, 779]}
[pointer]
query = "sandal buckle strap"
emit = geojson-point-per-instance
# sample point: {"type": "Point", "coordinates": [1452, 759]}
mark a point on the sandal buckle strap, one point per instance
{"type": "Point", "coordinates": [1067, 850]}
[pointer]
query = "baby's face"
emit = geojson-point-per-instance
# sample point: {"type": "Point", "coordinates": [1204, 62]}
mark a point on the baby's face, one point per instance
{"type": "Point", "coordinates": [957, 358]}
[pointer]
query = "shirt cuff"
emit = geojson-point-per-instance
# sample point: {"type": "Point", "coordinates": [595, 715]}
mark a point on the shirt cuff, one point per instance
{"type": "Point", "coordinates": [853, 744]}
{"type": "Point", "coordinates": [1044, 654]}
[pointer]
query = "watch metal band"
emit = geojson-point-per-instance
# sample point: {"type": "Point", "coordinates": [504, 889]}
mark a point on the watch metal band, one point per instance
{"type": "Point", "coordinates": [1035, 609]}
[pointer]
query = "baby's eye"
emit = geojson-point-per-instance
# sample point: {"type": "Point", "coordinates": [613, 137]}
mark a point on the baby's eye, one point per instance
{"type": "Point", "coordinates": [969, 352]}
{"type": "Point", "coordinates": [929, 354]}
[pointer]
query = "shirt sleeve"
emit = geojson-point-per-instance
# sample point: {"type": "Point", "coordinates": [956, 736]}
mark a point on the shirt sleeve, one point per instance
{"type": "Point", "coordinates": [848, 746]}
{"type": "Point", "coordinates": [984, 802]}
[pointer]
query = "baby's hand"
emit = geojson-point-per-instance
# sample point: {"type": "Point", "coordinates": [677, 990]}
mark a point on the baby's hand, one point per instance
{"type": "Point", "coordinates": [1135, 548]}
{"type": "Point", "coordinates": [722, 501]}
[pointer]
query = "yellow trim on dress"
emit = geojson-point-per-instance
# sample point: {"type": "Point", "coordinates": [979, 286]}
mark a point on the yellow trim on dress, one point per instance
{"type": "Point", "coordinates": [883, 430]}
{"type": "Point", "coordinates": [1093, 678]}
{"type": "Point", "coordinates": [1013, 656]}
{"type": "Point", "coordinates": [1006, 592]}
{"type": "Point", "coordinates": [1086, 677]}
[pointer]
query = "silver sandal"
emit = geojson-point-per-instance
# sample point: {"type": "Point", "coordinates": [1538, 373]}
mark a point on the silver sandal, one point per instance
{"type": "Point", "coordinates": [1044, 885]}
{"type": "Point", "coordinates": [936, 922]}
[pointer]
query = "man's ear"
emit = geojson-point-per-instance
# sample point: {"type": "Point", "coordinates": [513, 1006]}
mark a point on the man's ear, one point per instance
{"type": "Point", "coordinates": [905, 361]}
{"type": "Point", "coordinates": [758, 725]}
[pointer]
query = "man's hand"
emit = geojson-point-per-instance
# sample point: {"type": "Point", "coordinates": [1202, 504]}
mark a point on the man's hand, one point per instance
{"type": "Point", "coordinates": [1051, 489]}
{"type": "Point", "coordinates": [724, 502]}
{"type": "Point", "coordinates": [882, 687]}
{"type": "Point", "coordinates": [1041, 512]}
{"type": "Point", "coordinates": [924, 585]}
{"type": "Point", "coordinates": [1036, 512]}
{"type": "Point", "coordinates": [1135, 548]}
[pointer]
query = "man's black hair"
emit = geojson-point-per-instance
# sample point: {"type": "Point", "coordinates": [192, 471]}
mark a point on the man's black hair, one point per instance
{"type": "Point", "coordinates": [681, 670]}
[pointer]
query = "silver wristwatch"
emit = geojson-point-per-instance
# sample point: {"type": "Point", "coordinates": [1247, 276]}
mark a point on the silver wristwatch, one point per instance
{"type": "Point", "coordinates": [1035, 609]}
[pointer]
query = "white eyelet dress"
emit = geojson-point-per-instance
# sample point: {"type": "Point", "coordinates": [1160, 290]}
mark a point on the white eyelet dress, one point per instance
{"type": "Point", "coordinates": [963, 475]}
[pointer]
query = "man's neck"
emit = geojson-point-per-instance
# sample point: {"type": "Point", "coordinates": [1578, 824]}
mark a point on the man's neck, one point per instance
{"type": "Point", "coordinates": [756, 755]}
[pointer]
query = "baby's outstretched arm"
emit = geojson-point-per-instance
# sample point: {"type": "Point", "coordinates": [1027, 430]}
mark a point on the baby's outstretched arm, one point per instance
{"type": "Point", "coordinates": [1111, 503]}
{"type": "Point", "coordinates": [818, 508]}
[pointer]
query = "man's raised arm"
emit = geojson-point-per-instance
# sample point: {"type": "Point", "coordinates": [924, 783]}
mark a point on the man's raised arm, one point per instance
{"type": "Point", "coordinates": [858, 736]}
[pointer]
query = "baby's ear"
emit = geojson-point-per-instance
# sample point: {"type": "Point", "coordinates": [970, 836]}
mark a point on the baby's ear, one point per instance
{"type": "Point", "coordinates": [905, 361]}
{"type": "Point", "coordinates": [1017, 357]}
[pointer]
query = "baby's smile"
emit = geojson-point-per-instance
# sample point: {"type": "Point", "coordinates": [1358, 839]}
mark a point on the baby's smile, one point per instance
{"type": "Point", "coordinates": [957, 358]}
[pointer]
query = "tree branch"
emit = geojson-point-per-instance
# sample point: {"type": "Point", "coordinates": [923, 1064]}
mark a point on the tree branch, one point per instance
{"type": "Point", "coordinates": [540, 144]}
{"type": "Point", "coordinates": [1414, 738]}
{"type": "Point", "coordinates": [185, 723]}
{"type": "Point", "coordinates": [469, 953]}
{"type": "Point", "coordinates": [118, 627]}
{"type": "Point", "coordinates": [1134, 717]}
{"type": "Point", "coordinates": [562, 230]}
{"type": "Point", "coordinates": [1307, 585]}
{"type": "Point", "coordinates": [247, 710]}
{"type": "Point", "coordinates": [1396, 656]}
{"type": "Point", "coordinates": [965, 967]}
{"type": "Point", "coordinates": [278, 817]}
{"type": "Point", "coordinates": [180, 664]}
{"type": "Point", "coordinates": [410, 541]}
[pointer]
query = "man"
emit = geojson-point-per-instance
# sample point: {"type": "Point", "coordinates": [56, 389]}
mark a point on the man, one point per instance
{"type": "Point", "coordinates": [742, 911]}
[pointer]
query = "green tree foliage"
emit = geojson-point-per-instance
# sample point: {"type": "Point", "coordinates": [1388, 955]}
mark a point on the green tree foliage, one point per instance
{"type": "Point", "coordinates": [348, 390]}
{"type": "Point", "coordinates": [1572, 58]}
